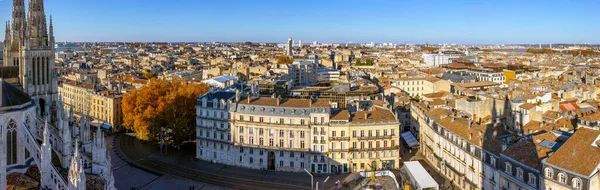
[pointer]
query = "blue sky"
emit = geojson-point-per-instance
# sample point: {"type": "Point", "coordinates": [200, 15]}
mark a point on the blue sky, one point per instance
{"type": "Point", "coordinates": [397, 21]}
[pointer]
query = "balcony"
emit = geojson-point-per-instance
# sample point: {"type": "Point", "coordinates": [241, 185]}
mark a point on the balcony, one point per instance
{"type": "Point", "coordinates": [212, 118]}
{"type": "Point", "coordinates": [376, 137]}
{"type": "Point", "coordinates": [323, 142]}
{"type": "Point", "coordinates": [339, 150]}
{"type": "Point", "coordinates": [323, 133]}
{"type": "Point", "coordinates": [214, 140]}
{"type": "Point", "coordinates": [315, 141]}
{"type": "Point", "coordinates": [339, 138]}
{"type": "Point", "coordinates": [268, 124]}
{"type": "Point", "coordinates": [375, 149]}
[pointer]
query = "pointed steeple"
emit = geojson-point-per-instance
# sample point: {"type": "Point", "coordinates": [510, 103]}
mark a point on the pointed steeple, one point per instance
{"type": "Point", "coordinates": [51, 34]}
{"type": "Point", "coordinates": [18, 22]}
{"type": "Point", "coordinates": [7, 36]}
{"type": "Point", "coordinates": [76, 171]}
{"type": "Point", "coordinates": [46, 157]}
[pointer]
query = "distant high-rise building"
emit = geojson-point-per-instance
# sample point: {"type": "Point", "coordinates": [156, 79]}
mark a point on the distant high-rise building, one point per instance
{"type": "Point", "coordinates": [299, 43]}
{"type": "Point", "coordinates": [315, 43]}
{"type": "Point", "coordinates": [289, 47]}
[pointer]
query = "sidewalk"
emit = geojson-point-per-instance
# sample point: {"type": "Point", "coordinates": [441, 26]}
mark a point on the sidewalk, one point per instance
{"type": "Point", "coordinates": [185, 158]}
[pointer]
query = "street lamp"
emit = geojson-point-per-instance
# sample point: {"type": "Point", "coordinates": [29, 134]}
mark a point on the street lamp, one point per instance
{"type": "Point", "coordinates": [324, 182]}
{"type": "Point", "coordinates": [311, 179]}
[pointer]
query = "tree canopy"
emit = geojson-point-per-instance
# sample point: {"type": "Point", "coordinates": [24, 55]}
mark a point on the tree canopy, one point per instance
{"type": "Point", "coordinates": [148, 75]}
{"type": "Point", "coordinates": [162, 103]}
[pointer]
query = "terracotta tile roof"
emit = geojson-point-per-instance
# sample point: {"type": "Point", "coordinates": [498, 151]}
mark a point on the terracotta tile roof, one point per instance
{"type": "Point", "coordinates": [437, 102]}
{"type": "Point", "coordinates": [565, 124]}
{"type": "Point", "coordinates": [320, 103]}
{"type": "Point", "coordinates": [568, 107]}
{"type": "Point", "coordinates": [438, 112]}
{"type": "Point", "coordinates": [376, 115]}
{"type": "Point", "coordinates": [525, 152]}
{"type": "Point", "coordinates": [527, 106]}
{"type": "Point", "coordinates": [580, 154]}
{"type": "Point", "coordinates": [341, 115]}
{"type": "Point", "coordinates": [552, 114]}
{"type": "Point", "coordinates": [477, 84]}
{"type": "Point", "coordinates": [535, 126]}
{"type": "Point", "coordinates": [439, 94]}
{"type": "Point", "coordinates": [592, 117]}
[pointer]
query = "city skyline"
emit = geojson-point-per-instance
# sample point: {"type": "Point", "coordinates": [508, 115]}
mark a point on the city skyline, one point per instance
{"type": "Point", "coordinates": [510, 22]}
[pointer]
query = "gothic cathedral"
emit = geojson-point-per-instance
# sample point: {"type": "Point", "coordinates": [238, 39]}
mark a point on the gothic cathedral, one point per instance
{"type": "Point", "coordinates": [34, 127]}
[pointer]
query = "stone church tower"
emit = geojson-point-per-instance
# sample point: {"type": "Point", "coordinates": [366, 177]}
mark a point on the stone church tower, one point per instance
{"type": "Point", "coordinates": [29, 46]}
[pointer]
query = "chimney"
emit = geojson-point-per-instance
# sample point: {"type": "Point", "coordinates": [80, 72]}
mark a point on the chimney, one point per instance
{"type": "Point", "coordinates": [278, 100]}
{"type": "Point", "coordinates": [237, 95]}
{"type": "Point", "coordinates": [249, 96]}
{"type": "Point", "coordinates": [310, 101]}
{"type": "Point", "coordinates": [470, 136]}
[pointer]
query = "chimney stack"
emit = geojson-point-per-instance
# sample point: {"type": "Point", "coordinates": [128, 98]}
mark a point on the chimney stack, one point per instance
{"type": "Point", "coordinates": [278, 100]}
{"type": "Point", "coordinates": [237, 95]}
{"type": "Point", "coordinates": [249, 96]}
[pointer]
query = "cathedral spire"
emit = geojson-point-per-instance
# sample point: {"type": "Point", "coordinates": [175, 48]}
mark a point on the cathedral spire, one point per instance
{"type": "Point", "coordinates": [46, 157]}
{"type": "Point", "coordinates": [18, 21]}
{"type": "Point", "coordinates": [7, 35]}
{"type": "Point", "coordinates": [51, 34]}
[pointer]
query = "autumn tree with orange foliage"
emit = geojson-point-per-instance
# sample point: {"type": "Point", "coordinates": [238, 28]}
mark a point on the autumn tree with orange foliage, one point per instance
{"type": "Point", "coordinates": [284, 60]}
{"type": "Point", "coordinates": [162, 103]}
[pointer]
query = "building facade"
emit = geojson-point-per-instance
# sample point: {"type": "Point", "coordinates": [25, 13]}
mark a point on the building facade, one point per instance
{"type": "Point", "coordinates": [102, 105]}
{"type": "Point", "coordinates": [439, 58]}
{"type": "Point", "coordinates": [293, 134]}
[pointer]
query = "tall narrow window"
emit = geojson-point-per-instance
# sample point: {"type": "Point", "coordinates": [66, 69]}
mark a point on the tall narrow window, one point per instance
{"type": "Point", "coordinates": [11, 141]}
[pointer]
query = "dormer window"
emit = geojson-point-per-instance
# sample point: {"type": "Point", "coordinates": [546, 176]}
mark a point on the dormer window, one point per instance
{"type": "Point", "coordinates": [562, 178]}
{"type": "Point", "coordinates": [519, 173]}
{"type": "Point", "coordinates": [532, 179]}
{"type": "Point", "coordinates": [508, 168]}
{"type": "Point", "coordinates": [576, 183]}
{"type": "Point", "coordinates": [549, 173]}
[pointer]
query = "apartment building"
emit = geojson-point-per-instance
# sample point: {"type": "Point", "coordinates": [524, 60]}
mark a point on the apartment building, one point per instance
{"type": "Point", "coordinates": [439, 58]}
{"type": "Point", "coordinates": [103, 105]}
{"type": "Point", "coordinates": [576, 164]}
{"type": "Point", "coordinates": [417, 86]}
{"type": "Point", "coordinates": [487, 74]}
{"type": "Point", "coordinates": [463, 151]}
{"type": "Point", "coordinates": [281, 134]}
{"type": "Point", "coordinates": [303, 73]}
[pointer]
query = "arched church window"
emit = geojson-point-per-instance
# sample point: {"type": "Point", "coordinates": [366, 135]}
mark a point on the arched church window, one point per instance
{"type": "Point", "coordinates": [11, 142]}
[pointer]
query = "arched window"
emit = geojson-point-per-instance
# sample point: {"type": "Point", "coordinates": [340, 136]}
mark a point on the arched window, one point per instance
{"type": "Point", "coordinates": [549, 173]}
{"type": "Point", "coordinates": [562, 178]}
{"type": "Point", "coordinates": [11, 142]}
{"type": "Point", "coordinates": [576, 183]}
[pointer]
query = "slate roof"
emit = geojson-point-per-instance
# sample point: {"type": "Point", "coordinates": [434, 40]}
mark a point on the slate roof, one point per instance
{"type": "Point", "coordinates": [12, 96]}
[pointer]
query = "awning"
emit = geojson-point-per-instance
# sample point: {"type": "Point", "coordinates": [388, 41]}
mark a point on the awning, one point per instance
{"type": "Point", "coordinates": [106, 126]}
{"type": "Point", "coordinates": [410, 139]}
